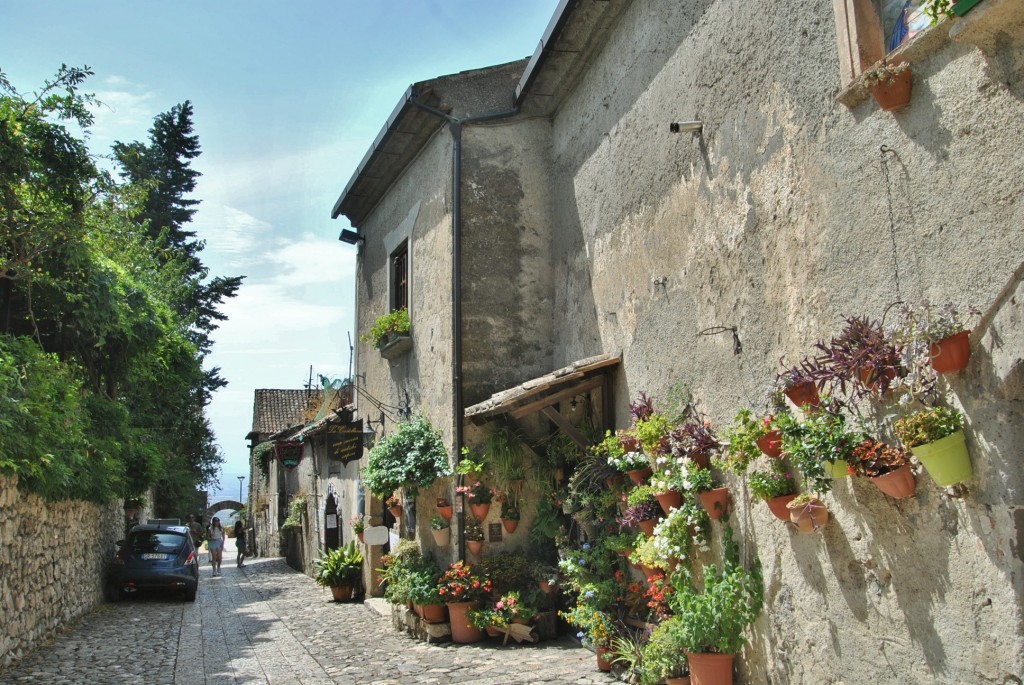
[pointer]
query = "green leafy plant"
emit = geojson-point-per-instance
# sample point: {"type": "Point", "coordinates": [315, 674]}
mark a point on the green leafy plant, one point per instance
{"type": "Point", "coordinates": [611, 450]}
{"type": "Point", "coordinates": [422, 586]}
{"type": "Point", "coordinates": [740, 447]}
{"type": "Point", "coordinates": [664, 654]}
{"type": "Point", "coordinates": [505, 458]}
{"type": "Point", "coordinates": [395, 322]}
{"type": "Point", "coordinates": [471, 462]}
{"type": "Point", "coordinates": [296, 510]}
{"type": "Point", "coordinates": [438, 522]}
{"type": "Point", "coordinates": [928, 425]}
{"type": "Point", "coordinates": [339, 567]}
{"type": "Point", "coordinates": [473, 530]}
{"type": "Point", "coordinates": [937, 9]}
{"type": "Point", "coordinates": [775, 482]}
{"type": "Point", "coordinates": [412, 457]}
{"type": "Point", "coordinates": [464, 582]}
{"type": "Point", "coordinates": [547, 521]}
{"type": "Point", "coordinates": [883, 72]}
{"type": "Point", "coordinates": [872, 458]}
{"type": "Point", "coordinates": [713, 619]}
{"type": "Point", "coordinates": [510, 509]}
{"type": "Point", "coordinates": [653, 434]}
{"type": "Point", "coordinates": [809, 443]}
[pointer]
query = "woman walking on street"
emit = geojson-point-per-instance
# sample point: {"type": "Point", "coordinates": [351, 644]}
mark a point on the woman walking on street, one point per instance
{"type": "Point", "coordinates": [240, 542]}
{"type": "Point", "coordinates": [215, 535]}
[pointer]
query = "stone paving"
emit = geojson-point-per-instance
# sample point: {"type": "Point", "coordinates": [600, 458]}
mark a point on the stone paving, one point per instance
{"type": "Point", "coordinates": [268, 624]}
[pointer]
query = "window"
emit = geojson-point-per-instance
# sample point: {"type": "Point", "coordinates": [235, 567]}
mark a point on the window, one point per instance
{"type": "Point", "coordinates": [400, 277]}
{"type": "Point", "coordinates": [869, 29]}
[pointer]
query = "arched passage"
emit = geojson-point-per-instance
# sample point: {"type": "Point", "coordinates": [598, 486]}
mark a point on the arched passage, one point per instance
{"type": "Point", "coordinates": [223, 504]}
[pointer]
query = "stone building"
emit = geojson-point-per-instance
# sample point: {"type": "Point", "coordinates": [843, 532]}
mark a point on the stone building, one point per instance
{"type": "Point", "coordinates": [562, 230]}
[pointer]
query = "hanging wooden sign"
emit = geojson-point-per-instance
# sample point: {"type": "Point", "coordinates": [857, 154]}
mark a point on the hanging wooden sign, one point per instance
{"type": "Point", "coordinates": [289, 454]}
{"type": "Point", "coordinates": [345, 441]}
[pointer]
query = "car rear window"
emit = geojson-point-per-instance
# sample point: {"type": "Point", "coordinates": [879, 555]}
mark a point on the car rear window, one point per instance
{"type": "Point", "coordinates": [156, 542]}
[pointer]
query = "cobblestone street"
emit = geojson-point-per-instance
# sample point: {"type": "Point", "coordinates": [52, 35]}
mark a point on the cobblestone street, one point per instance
{"type": "Point", "coordinates": [268, 624]}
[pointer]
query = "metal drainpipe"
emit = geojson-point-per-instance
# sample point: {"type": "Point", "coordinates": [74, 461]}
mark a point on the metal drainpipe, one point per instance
{"type": "Point", "coordinates": [455, 128]}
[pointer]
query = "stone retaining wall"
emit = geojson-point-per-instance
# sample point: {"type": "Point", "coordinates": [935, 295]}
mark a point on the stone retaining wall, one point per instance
{"type": "Point", "coordinates": [52, 562]}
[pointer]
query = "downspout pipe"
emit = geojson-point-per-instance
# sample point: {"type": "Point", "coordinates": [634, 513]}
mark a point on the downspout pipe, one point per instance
{"type": "Point", "coordinates": [455, 128]}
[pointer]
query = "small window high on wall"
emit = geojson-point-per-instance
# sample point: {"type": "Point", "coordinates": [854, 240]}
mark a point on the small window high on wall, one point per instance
{"type": "Point", "coordinates": [400, 277]}
{"type": "Point", "coordinates": [867, 30]}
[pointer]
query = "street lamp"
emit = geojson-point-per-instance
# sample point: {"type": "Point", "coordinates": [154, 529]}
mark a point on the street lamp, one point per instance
{"type": "Point", "coordinates": [240, 479]}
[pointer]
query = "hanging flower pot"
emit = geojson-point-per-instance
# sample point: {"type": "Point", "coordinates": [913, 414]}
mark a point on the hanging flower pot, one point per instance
{"type": "Point", "coordinates": [770, 444]}
{"type": "Point", "coordinates": [951, 354]}
{"type": "Point", "coordinates": [475, 546]}
{"type": "Point", "coordinates": [808, 514]}
{"type": "Point", "coordinates": [648, 527]}
{"type": "Point", "coordinates": [442, 537]}
{"type": "Point", "coordinates": [891, 90]}
{"type": "Point", "coordinates": [897, 484]}
{"type": "Point", "coordinates": [640, 476]}
{"type": "Point", "coordinates": [396, 511]}
{"type": "Point", "coordinates": [778, 506]}
{"type": "Point", "coordinates": [947, 460]}
{"type": "Point", "coordinates": [510, 525]}
{"type": "Point", "coordinates": [669, 500]}
{"type": "Point", "coordinates": [715, 501]}
{"type": "Point", "coordinates": [803, 393]}
{"type": "Point", "coordinates": [446, 512]}
{"type": "Point", "coordinates": [480, 511]}
{"type": "Point", "coordinates": [360, 536]}
{"type": "Point", "coordinates": [710, 669]}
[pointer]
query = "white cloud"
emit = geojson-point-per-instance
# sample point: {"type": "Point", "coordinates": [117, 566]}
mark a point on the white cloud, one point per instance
{"type": "Point", "coordinates": [313, 259]}
{"type": "Point", "coordinates": [237, 237]}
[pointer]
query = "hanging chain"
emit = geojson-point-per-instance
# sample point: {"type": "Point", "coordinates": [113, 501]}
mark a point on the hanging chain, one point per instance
{"type": "Point", "coordinates": [884, 150]}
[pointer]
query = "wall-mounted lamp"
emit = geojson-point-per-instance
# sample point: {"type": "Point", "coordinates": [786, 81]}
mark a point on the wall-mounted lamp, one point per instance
{"type": "Point", "coordinates": [693, 127]}
{"type": "Point", "coordinates": [350, 237]}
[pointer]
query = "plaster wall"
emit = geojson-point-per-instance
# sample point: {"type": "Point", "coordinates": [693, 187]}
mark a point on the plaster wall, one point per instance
{"type": "Point", "coordinates": [777, 221]}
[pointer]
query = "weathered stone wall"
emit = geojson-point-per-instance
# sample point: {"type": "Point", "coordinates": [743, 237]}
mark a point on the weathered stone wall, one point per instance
{"type": "Point", "coordinates": [53, 558]}
{"type": "Point", "coordinates": [776, 220]}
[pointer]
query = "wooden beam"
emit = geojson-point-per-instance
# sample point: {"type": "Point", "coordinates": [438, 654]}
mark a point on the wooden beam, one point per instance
{"type": "Point", "coordinates": [557, 397]}
{"type": "Point", "coordinates": [566, 427]}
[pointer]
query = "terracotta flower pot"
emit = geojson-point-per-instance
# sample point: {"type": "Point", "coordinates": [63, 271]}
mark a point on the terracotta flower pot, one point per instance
{"type": "Point", "coordinates": [808, 517]}
{"type": "Point", "coordinates": [803, 393]}
{"type": "Point", "coordinates": [710, 669]}
{"type": "Point", "coordinates": [778, 506]}
{"type": "Point", "coordinates": [510, 525]}
{"type": "Point", "coordinates": [715, 501]}
{"type": "Point", "coordinates": [952, 353]}
{"type": "Point", "coordinates": [894, 95]}
{"type": "Point", "coordinates": [360, 536]}
{"type": "Point", "coordinates": [640, 476]}
{"type": "Point", "coordinates": [681, 680]}
{"type": "Point", "coordinates": [493, 631]}
{"type": "Point", "coordinates": [669, 500]}
{"type": "Point", "coordinates": [604, 659]}
{"type": "Point", "coordinates": [898, 484]}
{"type": "Point", "coordinates": [648, 527]}
{"type": "Point", "coordinates": [446, 512]}
{"type": "Point", "coordinates": [433, 613]}
{"type": "Point", "coordinates": [480, 511]}
{"type": "Point", "coordinates": [462, 631]}
{"type": "Point", "coordinates": [546, 587]}
{"type": "Point", "coordinates": [475, 546]}
{"type": "Point", "coordinates": [341, 593]}
{"type": "Point", "coordinates": [442, 537]}
{"type": "Point", "coordinates": [771, 444]}
{"type": "Point", "coordinates": [396, 512]}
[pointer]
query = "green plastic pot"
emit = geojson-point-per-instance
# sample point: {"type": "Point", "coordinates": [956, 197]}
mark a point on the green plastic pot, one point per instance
{"type": "Point", "coordinates": [947, 460]}
{"type": "Point", "coordinates": [839, 468]}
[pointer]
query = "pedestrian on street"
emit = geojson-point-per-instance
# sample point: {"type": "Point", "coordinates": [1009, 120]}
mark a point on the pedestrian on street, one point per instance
{"type": "Point", "coordinates": [215, 536]}
{"type": "Point", "coordinates": [195, 531]}
{"type": "Point", "coordinates": [240, 542]}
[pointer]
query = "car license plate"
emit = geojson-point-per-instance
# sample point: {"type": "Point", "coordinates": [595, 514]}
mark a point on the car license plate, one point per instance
{"type": "Point", "coordinates": [154, 556]}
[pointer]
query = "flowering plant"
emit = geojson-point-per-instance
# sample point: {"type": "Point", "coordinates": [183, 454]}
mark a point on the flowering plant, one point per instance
{"type": "Point", "coordinates": [438, 522]}
{"type": "Point", "coordinates": [585, 564]}
{"type": "Point", "coordinates": [640, 506]}
{"type": "Point", "coordinates": [699, 480]}
{"type": "Point", "coordinates": [442, 502]}
{"type": "Point", "coordinates": [477, 493]}
{"type": "Point", "coordinates": [676, 533]}
{"type": "Point", "coordinates": [463, 582]}
{"type": "Point", "coordinates": [621, 451]}
{"type": "Point", "coordinates": [473, 530]}
{"type": "Point", "coordinates": [596, 626]}
{"type": "Point", "coordinates": [670, 472]}
{"type": "Point", "coordinates": [875, 458]}
{"type": "Point", "coordinates": [358, 523]}
{"type": "Point", "coordinates": [501, 613]}
{"type": "Point", "coordinates": [647, 554]}
{"type": "Point", "coordinates": [773, 483]}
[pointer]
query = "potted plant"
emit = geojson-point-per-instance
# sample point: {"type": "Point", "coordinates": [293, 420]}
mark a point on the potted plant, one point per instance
{"type": "Point", "coordinates": [807, 512]}
{"type": "Point", "coordinates": [667, 481]}
{"type": "Point", "coordinates": [505, 459]}
{"type": "Point", "coordinates": [675, 535]}
{"type": "Point", "coordinates": [339, 569]}
{"type": "Point", "coordinates": [479, 497]}
{"type": "Point", "coordinates": [462, 587]}
{"type": "Point", "coordinates": [358, 523]}
{"type": "Point", "coordinates": [819, 446]}
{"type": "Point", "coordinates": [694, 440]}
{"type": "Point", "coordinates": [799, 384]}
{"type": "Point", "coordinates": [632, 462]}
{"type": "Point", "coordinates": [546, 576]}
{"type": "Point", "coordinates": [935, 336]}
{"type": "Point", "coordinates": [444, 508]}
{"type": "Point", "coordinates": [473, 532]}
{"type": "Point", "coordinates": [507, 610]}
{"type": "Point", "coordinates": [715, 500]}
{"type": "Point", "coordinates": [889, 84]}
{"type": "Point", "coordinates": [642, 510]}
{"type": "Point", "coordinates": [664, 659]}
{"type": "Point", "coordinates": [509, 515]}
{"type": "Point", "coordinates": [776, 487]}
{"type": "Point", "coordinates": [748, 438]}
{"type": "Point", "coordinates": [440, 528]}
{"type": "Point", "coordinates": [394, 505]}
{"type": "Point", "coordinates": [861, 360]}
{"type": "Point", "coordinates": [936, 437]}
{"type": "Point", "coordinates": [471, 464]}
{"type": "Point", "coordinates": [424, 593]}
{"type": "Point", "coordinates": [597, 627]}
{"type": "Point", "coordinates": [387, 326]}
{"type": "Point", "coordinates": [647, 558]}
{"type": "Point", "coordinates": [886, 466]}
{"type": "Point", "coordinates": [712, 619]}
{"type": "Point", "coordinates": [413, 457]}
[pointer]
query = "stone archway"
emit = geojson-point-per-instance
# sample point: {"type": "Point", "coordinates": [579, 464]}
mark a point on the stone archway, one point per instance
{"type": "Point", "coordinates": [223, 504]}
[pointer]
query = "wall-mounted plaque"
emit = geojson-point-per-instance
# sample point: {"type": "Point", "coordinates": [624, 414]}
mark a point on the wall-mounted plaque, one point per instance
{"type": "Point", "coordinates": [494, 532]}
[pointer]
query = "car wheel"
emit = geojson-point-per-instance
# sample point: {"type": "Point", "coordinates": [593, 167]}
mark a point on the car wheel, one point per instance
{"type": "Point", "coordinates": [190, 594]}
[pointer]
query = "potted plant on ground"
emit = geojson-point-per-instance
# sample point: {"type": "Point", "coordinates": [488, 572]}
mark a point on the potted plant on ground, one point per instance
{"type": "Point", "coordinates": [597, 627]}
{"type": "Point", "coordinates": [886, 466]}
{"type": "Point", "coordinates": [889, 84]}
{"type": "Point", "coordinates": [474, 535]}
{"type": "Point", "coordinates": [479, 497]}
{"type": "Point", "coordinates": [712, 619]}
{"type": "Point", "coordinates": [440, 529]}
{"type": "Point", "coordinates": [936, 437]}
{"type": "Point", "coordinates": [807, 512]}
{"type": "Point", "coordinates": [339, 569]}
{"type": "Point", "coordinates": [462, 587]}
{"type": "Point", "coordinates": [664, 659]}
{"type": "Point", "coordinates": [424, 593]}
{"type": "Point", "coordinates": [413, 457]}
{"type": "Point", "coordinates": [509, 514]}
{"type": "Point", "coordinates": [506, 611]}
{"type": "Point", "coordinates": [358, 523]}
{"type": "Point", "coordinates": [776, 487]}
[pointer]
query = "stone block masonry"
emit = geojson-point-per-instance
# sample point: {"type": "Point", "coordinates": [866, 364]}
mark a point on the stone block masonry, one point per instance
{"type": "Point", "coordinates": [53, 556]}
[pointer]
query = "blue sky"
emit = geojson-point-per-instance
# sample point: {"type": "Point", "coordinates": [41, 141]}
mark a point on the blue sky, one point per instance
{"type": "Point", "coordinates": [287, 97]}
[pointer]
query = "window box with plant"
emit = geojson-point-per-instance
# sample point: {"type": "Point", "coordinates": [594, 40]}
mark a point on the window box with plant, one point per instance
{"type": "Point", "coordinates": [936, 437]}
{"type": "Point", "coordinates": [412, 457]}
{"type": "Point", "coordinates": [389, 332]}
{"type": "Point", "coordinates": [886, 466]}
{"type": "Point", "coordinates": [339, 569]}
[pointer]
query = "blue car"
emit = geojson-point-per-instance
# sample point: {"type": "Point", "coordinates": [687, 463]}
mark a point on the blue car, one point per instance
{"type": "Point", "coordinates": [155, 557]}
